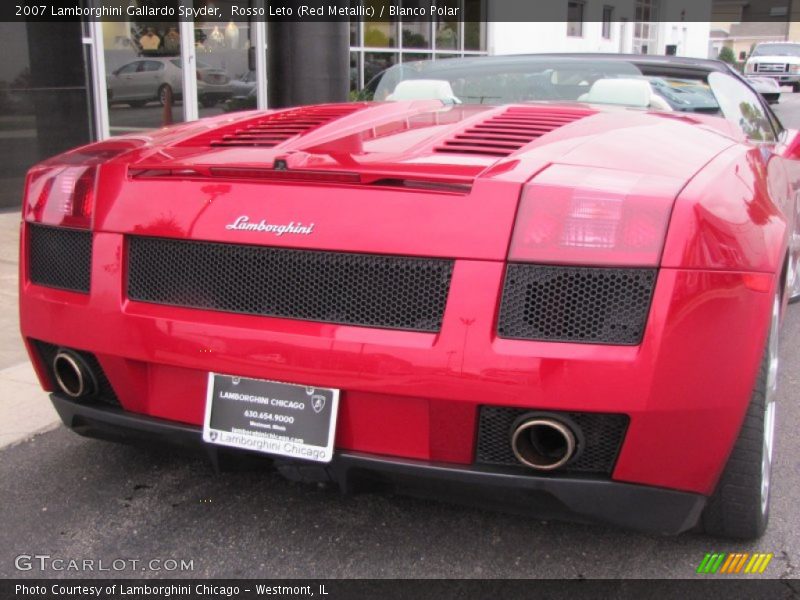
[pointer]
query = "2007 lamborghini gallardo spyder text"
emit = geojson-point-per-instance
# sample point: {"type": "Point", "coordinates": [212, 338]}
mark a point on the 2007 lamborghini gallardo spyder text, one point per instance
{"type": "Point", "coordinates": [549, 284]}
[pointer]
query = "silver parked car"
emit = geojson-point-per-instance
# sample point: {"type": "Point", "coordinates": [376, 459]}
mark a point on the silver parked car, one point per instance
{"type": "Point", "coordinates": [244, 85]}
{"type": "Point", "coordinates": [153, 78]}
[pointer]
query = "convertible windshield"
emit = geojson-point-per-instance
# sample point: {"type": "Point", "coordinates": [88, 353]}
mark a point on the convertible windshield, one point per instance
{"type": "Point", "coordinates": [503, 80]}
{"type": "Point", "coordinates": [777, 50]}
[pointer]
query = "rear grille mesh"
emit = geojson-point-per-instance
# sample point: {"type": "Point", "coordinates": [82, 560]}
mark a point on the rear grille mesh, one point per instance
{"type": "Point", "coordinates": [354, 289]}
{"type": "Point", "coordinates": [575, 304]}
{"type": "Point", "coordinates": [602, 434]}
{"type": "Point", "coordinates": [104, 394]}
{"type": "Point", "coordinates": [59, 257]}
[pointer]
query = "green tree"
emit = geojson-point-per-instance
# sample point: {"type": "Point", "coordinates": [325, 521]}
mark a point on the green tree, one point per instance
{"type": "Point", "coordinates": [727, 55]}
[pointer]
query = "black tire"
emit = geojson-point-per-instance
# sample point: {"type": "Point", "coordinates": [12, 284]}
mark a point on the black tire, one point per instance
{"type": "Point", "coordinates": [162, 94]}
{"type": "Point", "coordinates": [739, 507]}
{"type": "Point", "coordinates": [796, 87]}
{"type": "Point", "coordinates": [209, 102]}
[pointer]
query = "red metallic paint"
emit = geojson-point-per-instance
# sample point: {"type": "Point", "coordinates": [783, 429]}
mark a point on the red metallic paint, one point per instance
{"type": "Point", "coordinates": [415, 395]}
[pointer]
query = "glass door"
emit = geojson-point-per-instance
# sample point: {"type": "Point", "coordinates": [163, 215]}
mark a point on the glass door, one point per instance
{"type": "Point", "coordinates": [143, 73]}
{"type": "Point", "coordinates": [226, 61]}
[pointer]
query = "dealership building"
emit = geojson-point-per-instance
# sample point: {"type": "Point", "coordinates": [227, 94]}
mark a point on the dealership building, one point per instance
{"type": "Point", "coordinates": [66, 83]}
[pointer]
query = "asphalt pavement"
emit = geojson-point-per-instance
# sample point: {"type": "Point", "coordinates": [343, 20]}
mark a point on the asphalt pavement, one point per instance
{"type": "Point", "coordinates": [72, 498]}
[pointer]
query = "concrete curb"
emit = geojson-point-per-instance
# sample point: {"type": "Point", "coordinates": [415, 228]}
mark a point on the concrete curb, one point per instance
{"type": "Point", "coordinates": [25, 409]}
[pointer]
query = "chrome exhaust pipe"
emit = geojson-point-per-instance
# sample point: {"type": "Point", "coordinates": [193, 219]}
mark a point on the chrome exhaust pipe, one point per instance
{"type": "Point", "coordinates": [73, 376]}
{"type": "Point", "coordinates": [543, 443]}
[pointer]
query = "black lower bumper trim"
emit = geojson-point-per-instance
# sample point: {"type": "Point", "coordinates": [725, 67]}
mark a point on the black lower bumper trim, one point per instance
{"type": "Point", "coordinates": [644, 508]}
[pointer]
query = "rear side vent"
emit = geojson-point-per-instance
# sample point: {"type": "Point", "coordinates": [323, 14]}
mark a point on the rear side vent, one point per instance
{"type": "Point", "coordinates": [274, 129]}
{"type": "Point", "coordinates": [504, 134]}
{"type": "Point", "coordinates": [59, 257]}
{"type": "Point", "coordinates": [589, 305]}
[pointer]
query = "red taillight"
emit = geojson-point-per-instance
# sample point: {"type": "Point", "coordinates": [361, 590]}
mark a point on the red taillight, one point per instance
{"type": "Point", "coordinates": [586, 215]}
{"type": "Point", "coordinates": [61, 191]}
{"type": "Point", "coordinates": [61, 196]}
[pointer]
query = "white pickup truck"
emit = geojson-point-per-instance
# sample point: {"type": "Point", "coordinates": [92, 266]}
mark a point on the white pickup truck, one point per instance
{"type": "Point", "coordinates": [779, 61]}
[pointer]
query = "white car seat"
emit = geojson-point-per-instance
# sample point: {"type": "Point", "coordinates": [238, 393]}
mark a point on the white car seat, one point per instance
{"type": "Point", "coordinates": [624, 92]}
{"type": "Point", "coordinates": [424, 89]}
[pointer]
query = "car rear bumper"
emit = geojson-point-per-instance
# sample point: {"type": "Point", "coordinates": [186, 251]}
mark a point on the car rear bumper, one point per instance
{"type": "Point", "coordinates": [779, 77]}
{"type": "Point", "coordinates": [418, 395]}
{"type": "Point", "coordinates": [643, 508]}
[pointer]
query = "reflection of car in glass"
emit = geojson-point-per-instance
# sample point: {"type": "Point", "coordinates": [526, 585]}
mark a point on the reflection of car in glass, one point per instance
{"type": "Point", "coordinates": [152, 78]}
{"type": "Point", "coordinates": [244, 85]}
{"type": "Point", "coordinates": [685, 95]}
{"type": "Point", "coordinates": [776, 60]}
{"type": "Point", "coordinates": [574, 287]}
{"type": "Point", "coordinates": [768, 87]}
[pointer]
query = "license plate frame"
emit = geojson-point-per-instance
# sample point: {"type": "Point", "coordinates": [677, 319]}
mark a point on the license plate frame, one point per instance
{"type": "Point", "coordinates": [271, 417]}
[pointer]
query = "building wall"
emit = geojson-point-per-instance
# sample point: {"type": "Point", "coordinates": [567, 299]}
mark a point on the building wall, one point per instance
{"type": "Point", "coordinates": [683, 23]}
{"type": "Point", "coordinates": [691, 38]}
{"type": "Point", "coordinates": [522, 38]}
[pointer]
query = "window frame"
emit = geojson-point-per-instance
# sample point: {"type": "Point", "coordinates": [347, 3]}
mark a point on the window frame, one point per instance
{"type": "Point", "coordinates": [607, 21]}
{"type": "Point", "coordinates": [777, 127]}
{"type": "Point", "coordinates": [581, 6]}
{"type": "Point", "coordinates": [769, 117]}
{"type": "Point", "coordinates": [128, 68]}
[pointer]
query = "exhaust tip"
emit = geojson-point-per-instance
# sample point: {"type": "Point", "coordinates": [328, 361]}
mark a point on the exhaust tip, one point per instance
{"type": "Point", "coordinates": [543, 443]}
{"type": "Point", "coordinates": [73, 376]}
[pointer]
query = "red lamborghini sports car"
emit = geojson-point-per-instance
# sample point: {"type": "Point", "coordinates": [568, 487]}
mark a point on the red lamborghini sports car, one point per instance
{"type": "Point", "coordinates": [549, 284]}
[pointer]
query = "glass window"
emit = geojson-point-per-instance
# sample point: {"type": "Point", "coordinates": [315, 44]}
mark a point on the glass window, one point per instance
{"type": "Point", "coordinates": [129, 68]}
{"type": "Point", "coordinates": [44, 101]}
{"type": "Point", "coordinates": [500, 80]}
{"type": "Point", "coordinates": [475, 25]}
{"type": "Point", "coordinates": [475, 36]}
{"type": "Point", "coordinates": [141, 76]}
{"type": "Point", "coordinates": [644, 33]}
{"type": "Point", "coordinates": [380, 34]}
{"type": "Point", "coordinates": [777, 50]}
{"type": "Point", "coordinates": [223, 64]}
{"type": "Point", "coordinates": [608, 17]}
{"type": "Point", "coordinates": [375, 62]}
{"type": "Point", "coordinates": [416, 34]}
{"type": "Point", "coordinates": [417, 39]}
{"type": "Point", "coordinates": [414, 56]}
{"type": "Point", "coordinates": [742, 107]}
{"type": "Point", "coordinates": [575, 18]}
{"type": "Point", "coordinates": [354, 41]}
{"type": "Point", "coordinates": [355, 71]}
{"type": "Point", "coordinates": [447, 35]}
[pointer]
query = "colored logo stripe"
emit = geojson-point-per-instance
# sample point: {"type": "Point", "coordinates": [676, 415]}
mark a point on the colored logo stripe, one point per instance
{"type": "Point", "coordinates": [723, 563]}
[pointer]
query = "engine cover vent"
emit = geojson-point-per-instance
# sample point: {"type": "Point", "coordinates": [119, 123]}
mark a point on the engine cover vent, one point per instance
{"type": "Point", "coordinates": [504, 134]}
{"type": "Point", "coordinates": [276, 128]}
